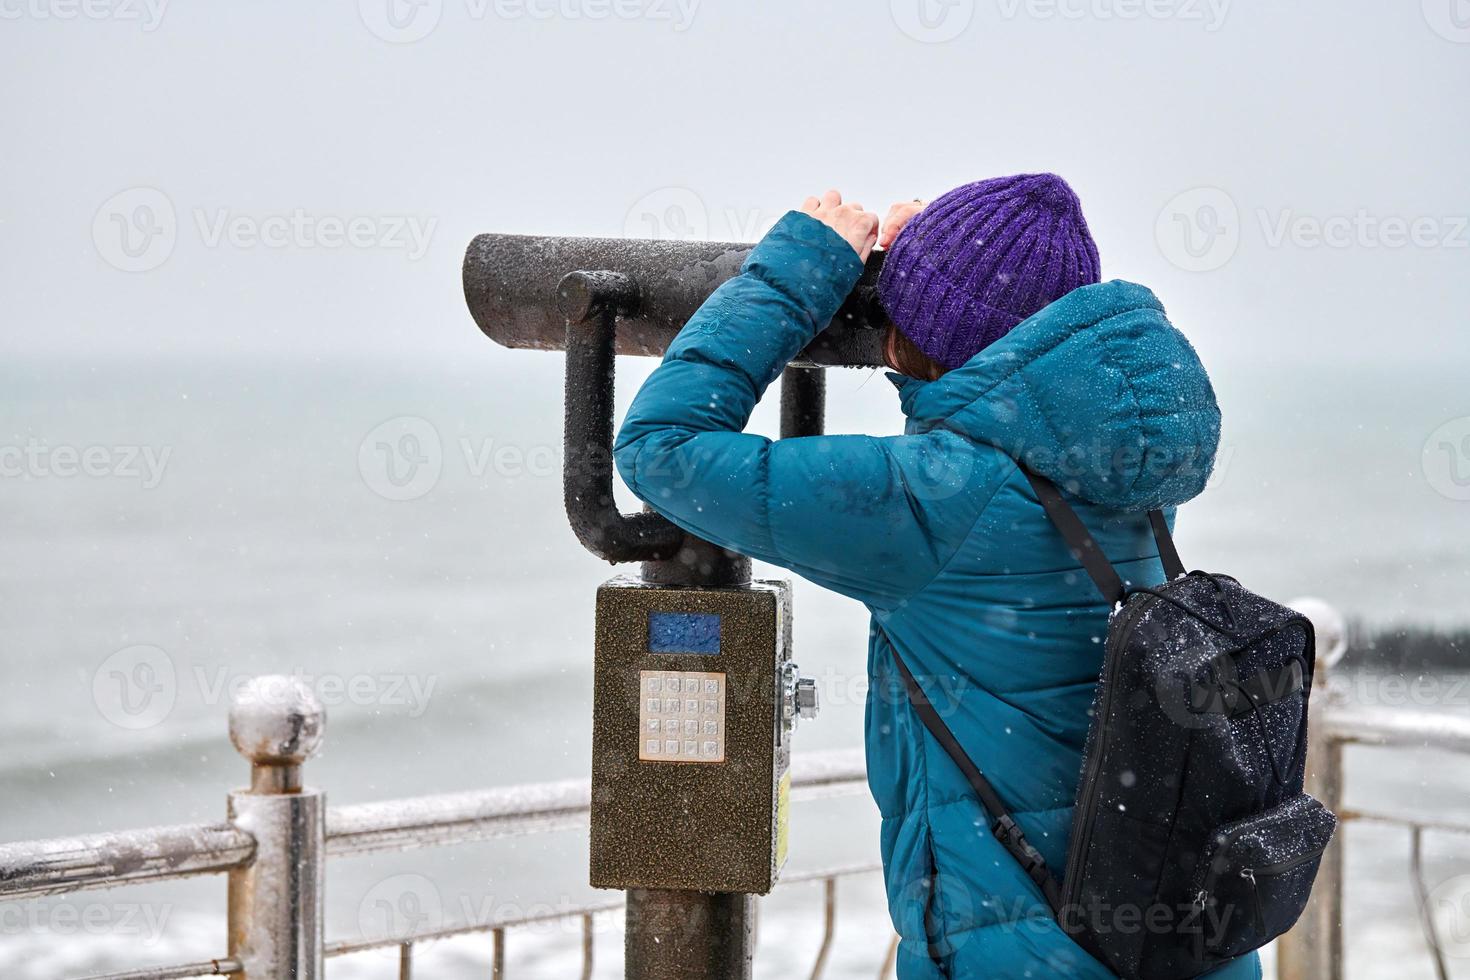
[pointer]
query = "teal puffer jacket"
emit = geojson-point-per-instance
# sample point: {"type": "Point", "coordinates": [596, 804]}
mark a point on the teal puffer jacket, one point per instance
{"type": "Point", "coordinates": [938, 533]}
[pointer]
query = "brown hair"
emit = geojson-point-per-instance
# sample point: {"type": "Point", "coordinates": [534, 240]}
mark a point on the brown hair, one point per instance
{"type": "Point", "coordinates": [903, 356]}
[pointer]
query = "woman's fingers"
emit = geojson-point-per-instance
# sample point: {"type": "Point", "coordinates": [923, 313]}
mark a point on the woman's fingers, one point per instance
{"type": "Point", "coordinates": [858, 228]}
{"type": "Point", "coordinates": [899, 215]}
{"type": "Point", "coordinates": [891, 224]}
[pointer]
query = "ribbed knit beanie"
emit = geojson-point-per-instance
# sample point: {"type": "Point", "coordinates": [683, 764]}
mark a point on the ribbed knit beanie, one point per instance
{"type": "Point", "coordinates": [982, 258]}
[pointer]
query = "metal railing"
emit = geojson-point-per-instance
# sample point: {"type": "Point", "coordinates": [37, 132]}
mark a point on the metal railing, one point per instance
{"type": "Point", "coordinates": [279, 835]}
{"type": "Point", "coordinates": [1313, 950]}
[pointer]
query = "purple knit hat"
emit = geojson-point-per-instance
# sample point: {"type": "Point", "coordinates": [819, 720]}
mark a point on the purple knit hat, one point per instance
{"type": "Point", "coordinates": [981, 259]}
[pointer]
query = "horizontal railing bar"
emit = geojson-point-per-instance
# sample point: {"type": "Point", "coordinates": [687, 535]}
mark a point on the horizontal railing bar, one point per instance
{"type": "Point", "coordinates": [458, 818]}
{"type": "Point", "coordinates": [347, 946]}
{"type": "Point", "coordinates": [835, 769]}
{"type": "Point", "coordinates": [32, 869]}
{"type": "Point", "coordinates": [1439, 826]}
{"type": "Point", "coordinates": [51, 867]}
{"type": "Point", "coordinates": [449, 818]}
{"type": "Point", "coordinates": [210, 968]}
{"type": "Point", "coordinates": [1363, 725]}
{"type": "Point", "coordinates": [822, 874]}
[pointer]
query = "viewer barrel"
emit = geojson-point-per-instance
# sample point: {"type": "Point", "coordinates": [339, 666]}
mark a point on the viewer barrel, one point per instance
{"type": "Point", "coordinates": [510, 284]}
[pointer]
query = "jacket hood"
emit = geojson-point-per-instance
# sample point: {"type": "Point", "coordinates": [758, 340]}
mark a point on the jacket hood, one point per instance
{"type": "Point", "coordinates": [1097, 392]}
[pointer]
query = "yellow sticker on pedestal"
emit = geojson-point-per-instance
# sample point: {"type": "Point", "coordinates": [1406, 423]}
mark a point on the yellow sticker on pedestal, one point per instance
{"type": "Point", "coordinates": [783, 818]}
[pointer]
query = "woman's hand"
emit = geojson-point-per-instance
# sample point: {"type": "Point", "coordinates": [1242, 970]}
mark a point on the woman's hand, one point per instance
{"type": "Point", "coordinates": [857, 227]}
{"type": "Point", "coordinates": [898, 216]}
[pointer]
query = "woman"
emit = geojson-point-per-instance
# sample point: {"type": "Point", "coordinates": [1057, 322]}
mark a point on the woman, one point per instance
{"type": "Point", "coordinates": [1008, 349]}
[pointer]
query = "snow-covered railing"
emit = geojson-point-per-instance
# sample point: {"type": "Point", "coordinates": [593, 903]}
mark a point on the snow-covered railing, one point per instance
{"type": "Point", "coordinates": [275, 846]}
{"type": "Point", "coordinates": [1313, 950]}
{"type": "Point", "coordinates": [279, 836]}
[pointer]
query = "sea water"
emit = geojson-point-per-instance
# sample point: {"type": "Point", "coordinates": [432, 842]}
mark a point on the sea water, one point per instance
{"type": "Point", "coordinates": [394, 535]}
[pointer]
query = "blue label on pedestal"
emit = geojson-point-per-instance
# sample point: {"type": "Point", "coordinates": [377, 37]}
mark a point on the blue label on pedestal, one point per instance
{"type": "Point", "coordinates": [671, 632]}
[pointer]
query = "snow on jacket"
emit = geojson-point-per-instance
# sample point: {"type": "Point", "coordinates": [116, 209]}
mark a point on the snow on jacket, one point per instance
{"type": "Point", "coordinates": [938, 533]}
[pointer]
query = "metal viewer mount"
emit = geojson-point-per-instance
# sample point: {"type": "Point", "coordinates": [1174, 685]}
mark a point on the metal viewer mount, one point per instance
{"type": "Point", "coordinates": [596, 297]}
{"type": "Point", "coordinates": [696, 695]}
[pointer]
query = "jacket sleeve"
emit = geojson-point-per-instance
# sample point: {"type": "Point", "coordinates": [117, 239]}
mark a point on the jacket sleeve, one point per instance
{"type": "Point", "coordinates": [839, 510]}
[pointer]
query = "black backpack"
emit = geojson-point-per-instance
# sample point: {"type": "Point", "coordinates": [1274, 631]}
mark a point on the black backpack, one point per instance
{"type": "Point", "coordinates": [1192, 842]}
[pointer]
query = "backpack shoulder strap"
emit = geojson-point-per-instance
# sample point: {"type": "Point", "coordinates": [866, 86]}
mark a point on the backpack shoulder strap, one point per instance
{"type": "Point", "coordinates": [1084, 547]}
{"type": "Point", "coordinates": [1168, 554]}
{"type": "Point", "coordinates": [1003, 825]}
{"type": "Point", "coordinates": [1079, 540]}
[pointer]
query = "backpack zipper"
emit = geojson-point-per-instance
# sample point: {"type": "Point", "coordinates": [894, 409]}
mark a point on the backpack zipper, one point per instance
{"type": "Point", "coordinates": [1260, 920]}
{"type": "Point", "coordinates": [1082, 818]}
{"type": "Point", "coordinates": [1196, 910]}
{"type": "Point", "coordinates": [1281, 867]}
{"type": "Point", "coordinates": [1249, 874]}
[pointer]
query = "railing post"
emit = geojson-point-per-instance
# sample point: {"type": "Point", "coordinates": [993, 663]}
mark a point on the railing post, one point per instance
{"type": "Point", "coordinates": [1312, 950]}
{"type": "Point", "coordinates": [275, 901]}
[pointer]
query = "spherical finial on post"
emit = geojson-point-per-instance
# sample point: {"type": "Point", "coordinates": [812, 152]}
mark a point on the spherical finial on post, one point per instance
{"type": "Point", "coordinates": [276, 722]}
{"type": "Point", "coordinates": [1328, 624]}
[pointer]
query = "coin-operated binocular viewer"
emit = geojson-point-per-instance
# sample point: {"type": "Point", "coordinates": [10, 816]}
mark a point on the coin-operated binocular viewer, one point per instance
{"type": "Point", "coordinates": [696, 695]}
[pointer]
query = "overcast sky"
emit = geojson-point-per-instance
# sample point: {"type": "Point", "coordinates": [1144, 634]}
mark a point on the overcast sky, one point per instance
{"type": "Point", "coordinates": [298, 180]}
